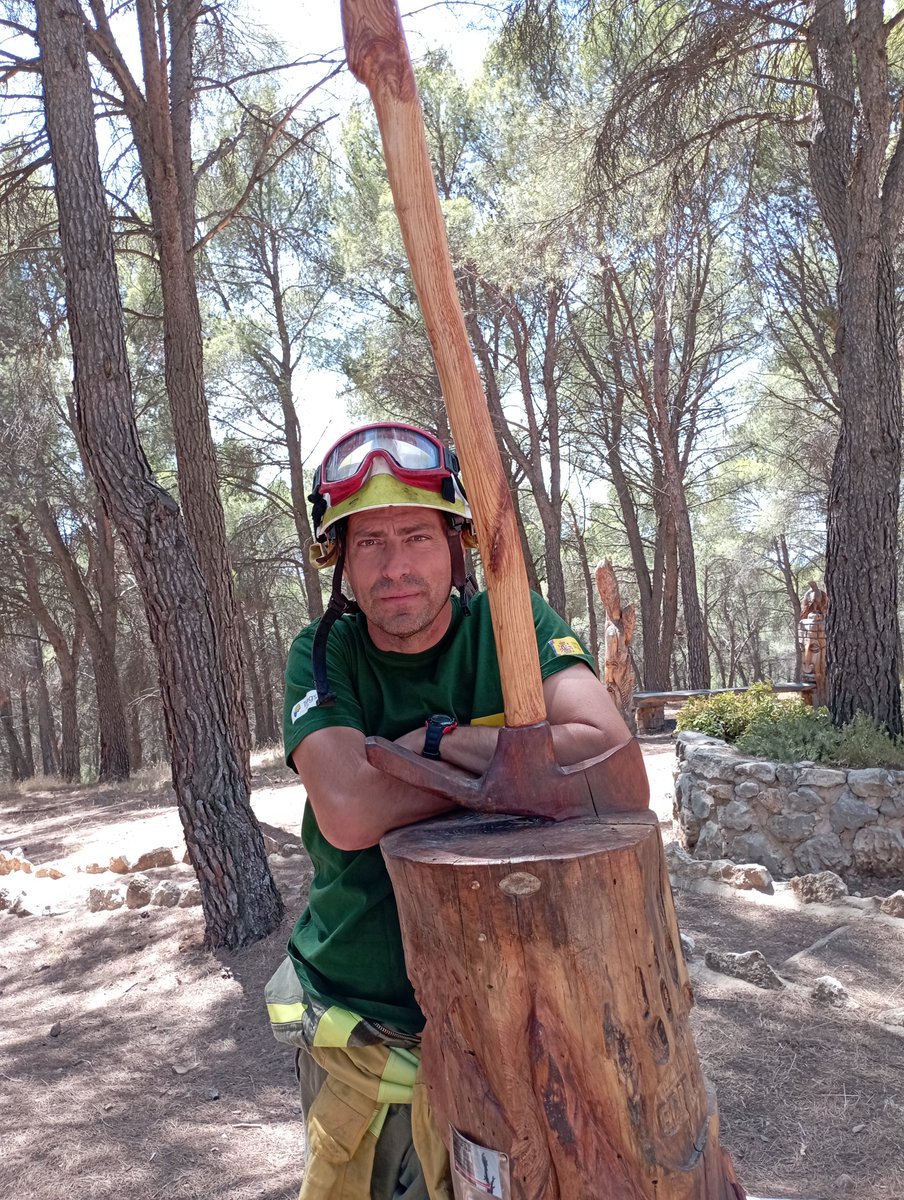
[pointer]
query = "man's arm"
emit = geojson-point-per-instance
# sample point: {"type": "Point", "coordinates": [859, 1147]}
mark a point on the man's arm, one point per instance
{"type": "Point", "coordinates": [584, 721]}
{"type": "Point", "coordinates": [356, 804]}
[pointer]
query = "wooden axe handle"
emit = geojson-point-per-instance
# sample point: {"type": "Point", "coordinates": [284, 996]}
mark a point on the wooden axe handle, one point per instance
{"type": "Point", "coordinates": [378, 56]}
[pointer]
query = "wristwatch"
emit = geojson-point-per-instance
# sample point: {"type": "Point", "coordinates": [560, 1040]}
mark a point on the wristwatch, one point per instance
{"type": "Point", "coordinates": [437, 725]}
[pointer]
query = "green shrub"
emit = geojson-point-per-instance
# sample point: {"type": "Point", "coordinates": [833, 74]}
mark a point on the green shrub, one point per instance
{"type": "Point", "coordinates": [810, 735]}
{"type": "Point", "coordinates": [763, 726]}
{"type": "Point", "coordinates": [728, 716]}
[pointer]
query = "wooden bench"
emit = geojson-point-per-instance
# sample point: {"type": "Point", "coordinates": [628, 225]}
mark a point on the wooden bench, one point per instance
{"type": "Point", "coordinates": [647, 707]}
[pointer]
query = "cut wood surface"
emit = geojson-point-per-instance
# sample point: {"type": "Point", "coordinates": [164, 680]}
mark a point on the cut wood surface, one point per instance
{"type": "Point", "coordinates": [378, 57]}
{"type": "Point", "coordinates": [547, 960]}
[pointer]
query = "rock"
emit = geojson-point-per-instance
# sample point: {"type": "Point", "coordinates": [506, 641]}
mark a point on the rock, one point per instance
{"type": "Point", "coordinates": [762, 771]}
{"type": "Point", "coordinates": [151, 859]}
{"type": "Point", "coordinates": [289, 849]}
{"type": "Point", "coordinates": [893, 805]}
{"type": "Point", "coordinates": [720, 792]}
{"type": "Point", "coordinates": [49, 871]}
{"type": "Point", "coordinates": [850, 812]}
{"type": "Point", "coordinates": [186, 857]}
{"type": "Point", "coordinates": [700, 804]}
{"type": "Point", "coordinates": [820, 852]}
{"type": "Point", "coordinates": [751, 967]}
{"type": "Point", "coordinates": [802, 800]}
{"type": "Point", "coordinates": [823, 887]}
{"type": "Point", "coordinates": [737, 815]}
{"type": "Point", "coordinates": [770, 799]}
{"type": "Point", "coordinates": [750, 877]}
{"type": "Point", "coordinates": [747, 790]}
{"type": "Point", "coordinates": [15, 861]}
{"type": "Point", "coordinates": [688, 945]}
{"type": "Point", "coordinates": [93, 868]}
{"type": "Point", "coordinates": [119, 865]}
{"type": "Point", "coordinates": [211, 1094]}
{"type": "Point", "coordinates": [872, 781]}
{"type": "Point", "coordinates": [830, 990]}
{"type": "Point", "coordinates": [821, 777]}
{"type": "Point", "coordinates": [756, 847]}
{"type": "Point", "coordinates": [711, 842]}
{"type": "Point", "coordinates": [55, 1029]}
{"type": "Point", "coordinates": [791, 828]}
{"type": "Point", "coordinates": [879, 851]}
{"type": "Point", "coordinates": [271, 845]}
{"type": "Point", "coordinates": [891, 1016]}
{"type": "Point", "coordinates": [138, 894]}
{"type": "Point", "coordinates": [711, 762]}
{"type": "Point", "coordinates": [844, 1184]}
{"type": "Point", "coordinates": [893, 905]}
{"type": "Point", "coordinates": [191, 897]}
{"type": "Point", "coordinates": [104, 899]}
{"type": "Point", "coordinates": [16, 906]}
{"type": "Point", "coordinates": [166, 894]}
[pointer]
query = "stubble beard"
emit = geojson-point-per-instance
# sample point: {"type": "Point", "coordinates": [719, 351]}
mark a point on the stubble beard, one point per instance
{"type": "Point", "coordinates": [409, 622]}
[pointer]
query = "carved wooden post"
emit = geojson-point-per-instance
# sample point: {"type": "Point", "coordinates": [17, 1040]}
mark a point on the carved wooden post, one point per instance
{"type": "Point", "coordinates": [811, 637]}
{"type": "Point", "coordinates": [618, 672]}
{"type": "Point", "coordinates": [547, 961]}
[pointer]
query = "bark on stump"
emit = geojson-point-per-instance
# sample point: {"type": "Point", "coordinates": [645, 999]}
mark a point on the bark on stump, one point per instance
{"type": "Point", "coordinates": [547, 960]}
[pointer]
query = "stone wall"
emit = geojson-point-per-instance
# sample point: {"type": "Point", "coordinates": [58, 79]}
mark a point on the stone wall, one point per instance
{"type": "Point", "coordinates": [794, 818]}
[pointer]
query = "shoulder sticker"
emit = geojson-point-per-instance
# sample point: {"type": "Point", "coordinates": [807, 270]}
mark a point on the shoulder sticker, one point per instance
{"type": "Point", "coordinates": [306, 702]}
{"type": "Point", "coordinates": [566, 645]}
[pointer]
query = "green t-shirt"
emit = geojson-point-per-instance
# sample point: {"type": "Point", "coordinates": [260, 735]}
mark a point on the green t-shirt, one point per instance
{"type": "Point", "coordinates": [347, 946]}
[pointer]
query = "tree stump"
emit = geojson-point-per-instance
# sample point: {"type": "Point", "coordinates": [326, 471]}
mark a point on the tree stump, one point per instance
{"type": "Point", "coordinates": [547, 960]}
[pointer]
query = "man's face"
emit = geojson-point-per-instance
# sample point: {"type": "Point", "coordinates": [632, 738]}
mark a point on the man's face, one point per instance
{"type": "Point", "coordinates": [398, 565]}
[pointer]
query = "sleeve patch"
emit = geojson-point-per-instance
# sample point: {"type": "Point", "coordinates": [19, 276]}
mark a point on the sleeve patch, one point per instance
{"type": "Point", "coordinates": [306, 702]}
{"type": "Point", "coordinates": [565, 645]}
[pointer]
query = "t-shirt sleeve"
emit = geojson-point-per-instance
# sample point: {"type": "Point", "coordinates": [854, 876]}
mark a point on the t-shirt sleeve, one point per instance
{"type": "Point", "coordinates": [557, 643]}
{"type": "Point", "coordinates": [301, 713]}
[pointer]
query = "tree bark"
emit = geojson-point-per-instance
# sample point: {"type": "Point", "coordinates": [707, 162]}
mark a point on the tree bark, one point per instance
{"type": "Point", "coordinates": [566, 1043]}
{"type": "Point", "coordinates": [113, 758]}
{"type": "Point", "coordinates": [46, 732]}
{"type": "Point", "coordinates": [161, 125]}
{"type": "Point", "coordinates": [224, 842]}
{"type": "Point", "coordinates": [70, 759]}
{"type": "Point", "coordinates": [17, 766]}
{"type": "Point", "coordinates": [858, 179]}
{"type": "Point", "coordinates": [27, 750]}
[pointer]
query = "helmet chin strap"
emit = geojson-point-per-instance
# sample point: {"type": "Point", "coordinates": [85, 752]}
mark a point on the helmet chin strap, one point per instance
{"type": "Point", "coordinates": [461, 578]}
{"type": "Point", "coordinates": [338, 605]}
{"type": "Point", "coordinates": [462, 581]}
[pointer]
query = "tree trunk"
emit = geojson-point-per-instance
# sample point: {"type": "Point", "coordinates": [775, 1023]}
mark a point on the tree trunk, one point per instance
{"type": "Point", "coordinates": [859, 185]}
{"type": "Point", "coordinates": [862, 633]}
{"type": "Point", "coordinates": [254, 682]}
{"type": "Point", "coordinates": [224, 842]}
{"type": "Point", "coordinates": [46, 731]}
{"type": "Point", "coordinates": [589, 590]}
{"type": "Point", "coordinates": [27, 750]}
{"type": "Point", "coordinates": [270, 732]}
{"type": "Point", "coordinates": [567, 1046]}
{"type": "Point", "coordinates": [113, 757]}
{"type": "Point", "coordinates": [17, 766]}
{"type": "Point", "coordinates": [162, 128]}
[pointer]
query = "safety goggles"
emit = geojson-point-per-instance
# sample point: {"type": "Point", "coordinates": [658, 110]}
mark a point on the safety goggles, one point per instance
{"type": "Point", "coordinates": [412, 455]}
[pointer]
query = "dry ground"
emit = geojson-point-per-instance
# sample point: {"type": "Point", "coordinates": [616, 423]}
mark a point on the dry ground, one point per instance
{"type": "Point", "coordinates": [163, 1080]}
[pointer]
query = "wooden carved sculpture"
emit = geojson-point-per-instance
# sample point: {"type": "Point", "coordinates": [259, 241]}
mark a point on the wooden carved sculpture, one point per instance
{"type": "Point", "coordinates": [811, 637]}
{"type": "Point", "coordinates": [618, 672]}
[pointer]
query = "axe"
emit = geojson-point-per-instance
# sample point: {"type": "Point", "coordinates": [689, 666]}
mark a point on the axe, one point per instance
{"type": "Point", "coordinates": [523, 777]}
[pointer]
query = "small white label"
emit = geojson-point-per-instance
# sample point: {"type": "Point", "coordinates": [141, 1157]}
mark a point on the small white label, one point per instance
{"type": "Point", "coordinates": [478, 1171]}
{"type": "Point", "coordinates": [304, 704]}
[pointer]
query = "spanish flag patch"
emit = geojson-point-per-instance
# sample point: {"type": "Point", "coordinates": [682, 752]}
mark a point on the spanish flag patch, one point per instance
{"type": "Point", "coordinates": [567, 645]}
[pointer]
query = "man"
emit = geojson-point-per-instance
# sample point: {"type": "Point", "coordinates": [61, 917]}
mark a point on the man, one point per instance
{"type": "Point", "coordinates": [417, 665]}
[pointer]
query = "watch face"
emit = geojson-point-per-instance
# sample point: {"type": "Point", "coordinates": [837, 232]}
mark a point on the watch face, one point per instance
{"type": "Point", "coordinates": [442, 721]}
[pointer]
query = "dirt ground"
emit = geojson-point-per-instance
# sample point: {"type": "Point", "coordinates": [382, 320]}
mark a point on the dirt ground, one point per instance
{"type": "Point", "coordinates": [136, 1066]}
